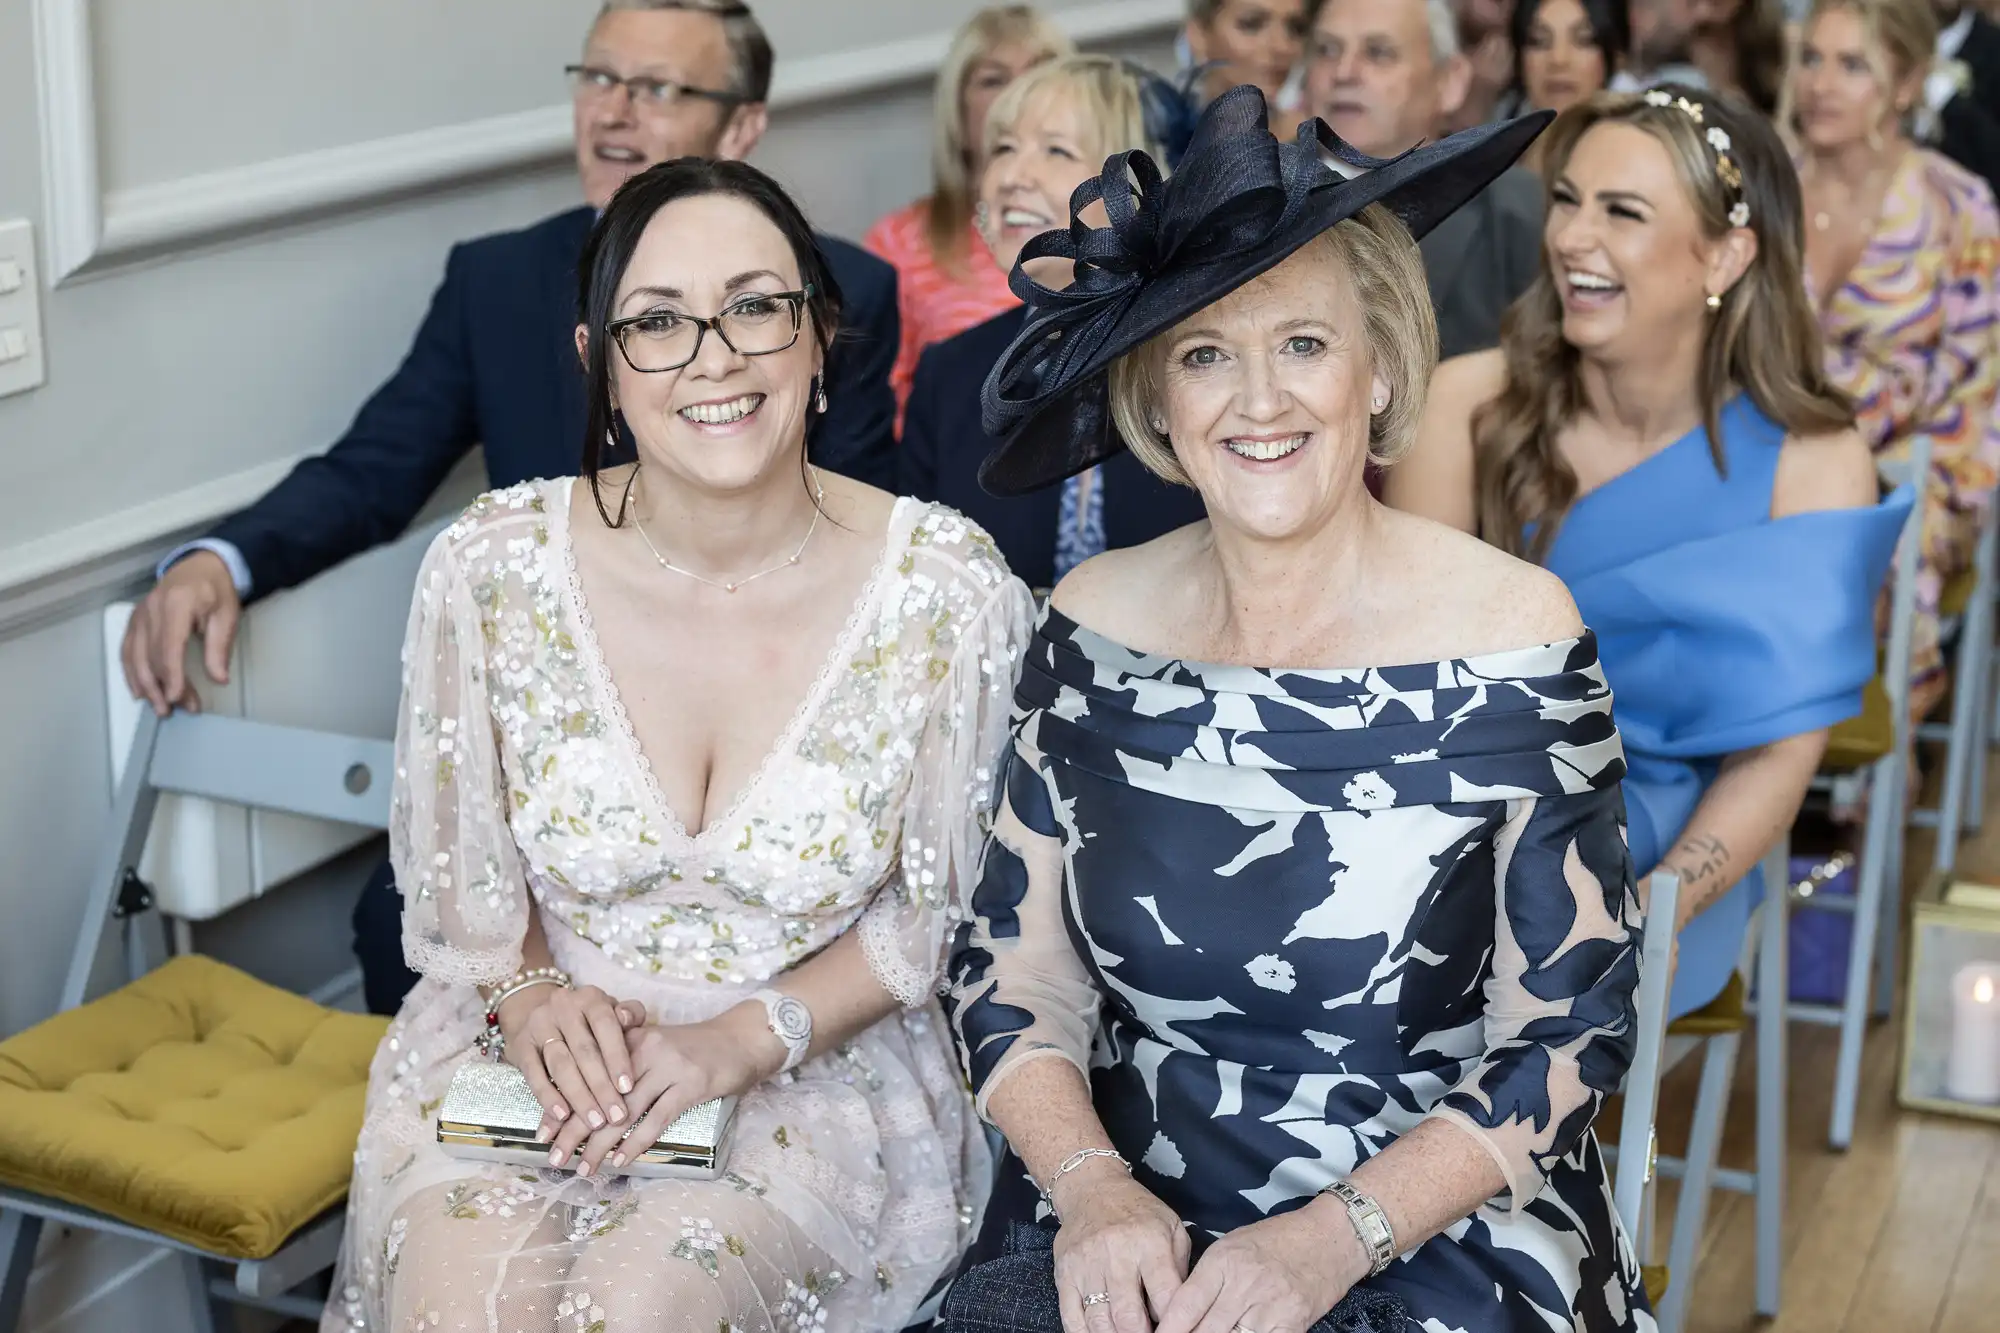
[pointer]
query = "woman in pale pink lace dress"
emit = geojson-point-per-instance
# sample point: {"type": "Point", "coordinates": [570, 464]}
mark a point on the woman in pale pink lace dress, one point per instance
{"type": "Point", "coordinates": [689, 730]}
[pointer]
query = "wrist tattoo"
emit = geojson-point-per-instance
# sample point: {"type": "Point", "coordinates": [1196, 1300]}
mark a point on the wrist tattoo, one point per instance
{"type": "Point", "coordinates": [1698, 857]}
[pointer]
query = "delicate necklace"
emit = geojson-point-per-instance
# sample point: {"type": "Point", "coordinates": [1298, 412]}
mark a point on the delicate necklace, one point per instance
{"type": "Point", "coordinates": [819, 494]}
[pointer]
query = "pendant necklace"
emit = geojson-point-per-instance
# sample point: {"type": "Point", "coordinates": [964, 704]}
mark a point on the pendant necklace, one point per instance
{"type": "Point", "coordinates": [819, 495]}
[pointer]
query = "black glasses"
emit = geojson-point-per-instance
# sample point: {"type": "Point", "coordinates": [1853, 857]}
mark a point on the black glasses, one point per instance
{"type": "Point", "coordinates": [651, 93]}
{"type": "Point", "coordinates": [662, 340]}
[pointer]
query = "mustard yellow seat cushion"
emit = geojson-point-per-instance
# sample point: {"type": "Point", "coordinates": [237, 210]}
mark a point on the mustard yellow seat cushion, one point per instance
{"type": "Point", "coordinates": [197, 1102]}
{"type": "Point", "coordinates": [1864, 738]}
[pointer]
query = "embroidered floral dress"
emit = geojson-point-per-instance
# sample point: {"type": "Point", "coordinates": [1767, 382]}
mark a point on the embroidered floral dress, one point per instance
{"type": "Point", "coordinates": [1913, 335]}
{"type": "Point", "coordinates": [520, 788]}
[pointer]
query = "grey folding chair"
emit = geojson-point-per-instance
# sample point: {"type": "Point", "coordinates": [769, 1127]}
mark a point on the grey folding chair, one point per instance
{"type": "Point", "coordinates": [1877, 903]}
{"type": "Point", "coordinates": [289, 770]}
{"type": "Point", "coordinates": [1634, 1171]}
{"type": "Point", "coordinates": [1963, 737]}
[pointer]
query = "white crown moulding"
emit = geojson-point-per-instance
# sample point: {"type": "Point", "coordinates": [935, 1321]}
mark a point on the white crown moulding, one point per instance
{"type": "Point", "coordinates": [90, 229]}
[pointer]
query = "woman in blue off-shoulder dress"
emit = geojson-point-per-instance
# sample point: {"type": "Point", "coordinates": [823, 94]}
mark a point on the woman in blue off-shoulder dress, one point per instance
{"type": "Point", "coordinates": [1295, 975]}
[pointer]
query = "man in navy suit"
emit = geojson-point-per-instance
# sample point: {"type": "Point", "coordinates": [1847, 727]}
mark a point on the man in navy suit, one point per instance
{"type": "Point", "coordinates": [494, 365]}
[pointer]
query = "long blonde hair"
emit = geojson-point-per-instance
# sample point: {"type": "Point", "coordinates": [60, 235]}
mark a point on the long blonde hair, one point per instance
{"type": "Point", "coordinates": [1764, 340]}
{"type": "Point", "coordinates": [953, 189]}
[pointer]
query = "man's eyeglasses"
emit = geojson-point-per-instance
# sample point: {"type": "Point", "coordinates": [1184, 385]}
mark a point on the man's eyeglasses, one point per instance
{"type": "Point", "coordinates": [662, 340]}
{"type": "Point", "coordinates": [651, 93]}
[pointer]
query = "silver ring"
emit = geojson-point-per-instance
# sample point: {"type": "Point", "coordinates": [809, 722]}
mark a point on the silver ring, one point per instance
{"type": "Point", "coordinates": [1097, 1298]}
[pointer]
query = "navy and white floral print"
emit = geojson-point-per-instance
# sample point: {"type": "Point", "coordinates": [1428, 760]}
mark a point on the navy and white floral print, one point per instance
{"type": "Point", "coordinates": [1282, 917]}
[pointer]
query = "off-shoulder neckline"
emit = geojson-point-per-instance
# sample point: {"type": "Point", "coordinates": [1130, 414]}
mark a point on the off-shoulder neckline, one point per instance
{"type": "Point", "coordinates": [1477, 662]}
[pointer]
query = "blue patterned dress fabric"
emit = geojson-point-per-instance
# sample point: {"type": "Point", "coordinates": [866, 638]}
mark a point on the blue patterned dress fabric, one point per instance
{"type": "Point", "coordinates": [1282, 917]}
{"type": "Point", "coordinates": [1722, 629]}
{"type": "Point", "coordinates": [1080, 520]}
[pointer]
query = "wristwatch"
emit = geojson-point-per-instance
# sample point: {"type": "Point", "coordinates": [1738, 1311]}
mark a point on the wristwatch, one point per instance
{"type": "Point", "coordinates": [1371, 1224]}
{"type": "Point", "coordinates": [790, 1022]}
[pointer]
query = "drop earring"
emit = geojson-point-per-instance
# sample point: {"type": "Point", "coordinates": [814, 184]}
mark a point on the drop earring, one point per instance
{"type": "Point", "coordinates": [819, 393]}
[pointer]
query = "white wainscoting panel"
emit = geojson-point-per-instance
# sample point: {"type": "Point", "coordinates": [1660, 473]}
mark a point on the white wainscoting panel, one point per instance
{"type": "Point", "coordinates": [90, 230]}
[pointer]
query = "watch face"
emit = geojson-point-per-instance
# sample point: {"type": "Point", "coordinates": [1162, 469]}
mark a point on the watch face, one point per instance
{"type": "Point", "coordinates": [791, 1020]}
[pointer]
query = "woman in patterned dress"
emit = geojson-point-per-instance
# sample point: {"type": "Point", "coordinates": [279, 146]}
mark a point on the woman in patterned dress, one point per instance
{"type": "Point", "coordinates": [1309, 876]}
{"type": "Point", "coordinates": [1901, 244]}
{"type": "Point", "coordinates": [695, 757]}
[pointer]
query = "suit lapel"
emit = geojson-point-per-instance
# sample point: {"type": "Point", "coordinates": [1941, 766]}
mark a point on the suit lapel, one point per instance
{"type": "Point", "coordinates": [1446, 250]}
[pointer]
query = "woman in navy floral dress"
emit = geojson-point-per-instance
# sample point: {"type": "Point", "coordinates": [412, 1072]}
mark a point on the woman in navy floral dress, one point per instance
{"type": "Point", "coordinates": [1250, 934]}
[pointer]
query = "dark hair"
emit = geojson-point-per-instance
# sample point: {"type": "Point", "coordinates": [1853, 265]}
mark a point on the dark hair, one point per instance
{"type": "Point", "coordinates": [608, 254]}
{"type": "Point", "coordinates": [1758, 27]}
{"type": "Point", "coordinates": [1610, 32]}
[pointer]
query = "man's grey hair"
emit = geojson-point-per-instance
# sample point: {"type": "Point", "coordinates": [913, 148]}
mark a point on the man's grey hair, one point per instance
{"type": "Point", "coordinates": [1439, 17]}
{"type": "Point", "coordinates": [1443, 23]}
{"type": "Point", "coordinates": [750, 55]}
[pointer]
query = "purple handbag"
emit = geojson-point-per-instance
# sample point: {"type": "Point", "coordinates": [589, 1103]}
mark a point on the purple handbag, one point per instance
{"type": "Point", "coordinates": [1820, 938]}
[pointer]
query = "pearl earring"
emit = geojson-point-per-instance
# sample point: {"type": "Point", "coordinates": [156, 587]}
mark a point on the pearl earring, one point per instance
{"type": "Point", "coordinates": [1714, 301]}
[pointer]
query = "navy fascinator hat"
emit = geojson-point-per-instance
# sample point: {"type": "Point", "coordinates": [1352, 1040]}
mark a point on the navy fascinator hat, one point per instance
{"type": "Point", "coordinates": [1240, 202]}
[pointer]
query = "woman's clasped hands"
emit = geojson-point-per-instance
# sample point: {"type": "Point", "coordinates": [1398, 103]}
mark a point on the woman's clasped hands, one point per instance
{"type": "Point", "coordinates": [1122, 1265]}
{"type": "Point", "coordinates": [604, 1075]}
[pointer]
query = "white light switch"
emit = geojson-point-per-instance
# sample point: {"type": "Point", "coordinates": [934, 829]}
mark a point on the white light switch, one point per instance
{"type": "Point", "coordinates": [21, 362]}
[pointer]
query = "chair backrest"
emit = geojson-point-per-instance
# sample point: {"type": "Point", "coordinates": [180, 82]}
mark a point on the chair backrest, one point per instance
{"type": "Point", "coordinates": [1642, 1081]}
{"type": "Point", "coordinates": [267, 767]}
{"type": "Point", "coordinates": [1912, 470]}
{"type": "Point", "coordinates": [256, 764]}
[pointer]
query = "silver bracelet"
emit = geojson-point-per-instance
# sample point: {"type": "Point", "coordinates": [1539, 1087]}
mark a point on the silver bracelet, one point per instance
{"type": "Point", "coordinates": [1370, 1223]}
{"type": "Point", "coordinates": [1077, 1159]}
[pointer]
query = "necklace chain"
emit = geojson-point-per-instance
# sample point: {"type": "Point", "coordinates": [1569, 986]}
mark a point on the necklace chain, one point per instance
{"type": "Point", "coordinates": [731, 585]}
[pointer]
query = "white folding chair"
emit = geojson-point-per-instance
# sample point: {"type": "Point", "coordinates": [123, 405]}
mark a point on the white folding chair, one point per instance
{"type": "Point", "coordinates": [1634, 1171]}
{"type": "Point", "coordinates": [315, 774]}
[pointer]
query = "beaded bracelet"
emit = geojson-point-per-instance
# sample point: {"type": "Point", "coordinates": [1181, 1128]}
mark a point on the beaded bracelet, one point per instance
{"type": "Point", "coordinates": [514, 985]}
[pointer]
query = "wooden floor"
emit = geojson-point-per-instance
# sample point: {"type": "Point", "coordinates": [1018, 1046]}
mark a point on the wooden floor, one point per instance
{"type": "Point", "coordinates": [1900, 1233]}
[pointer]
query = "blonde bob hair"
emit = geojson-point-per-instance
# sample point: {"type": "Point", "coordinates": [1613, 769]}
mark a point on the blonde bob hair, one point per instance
{"type": "Point", "coordinates": [953, 188]}
{"type": "Point", "coordinates": [1382, 263]}
{"type": "Point", "coordinates": [1105, 92]}
{"type": "Point", "coordinates": [1901, 41]}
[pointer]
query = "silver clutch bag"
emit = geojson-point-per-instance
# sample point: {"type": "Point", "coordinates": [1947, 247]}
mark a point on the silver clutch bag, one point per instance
{"type": "Point", "coordinates": [490, 1114]}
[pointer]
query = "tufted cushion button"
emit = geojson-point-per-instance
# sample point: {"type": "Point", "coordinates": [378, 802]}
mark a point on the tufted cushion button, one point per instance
{"type": "Point", "coordinates": [197, 1102]}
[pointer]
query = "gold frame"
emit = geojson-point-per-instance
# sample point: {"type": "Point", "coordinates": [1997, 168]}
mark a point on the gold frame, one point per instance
{"type": "Point", "coordinates": [1930, 909]}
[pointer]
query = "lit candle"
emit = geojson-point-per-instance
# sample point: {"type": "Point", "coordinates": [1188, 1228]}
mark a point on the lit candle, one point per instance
{"type": "Point", "coordinates": [1972, 1072]}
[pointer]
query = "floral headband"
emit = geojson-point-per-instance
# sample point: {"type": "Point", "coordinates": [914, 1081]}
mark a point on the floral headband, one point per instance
{"type": "Point", "coordinates": [1718, 139]}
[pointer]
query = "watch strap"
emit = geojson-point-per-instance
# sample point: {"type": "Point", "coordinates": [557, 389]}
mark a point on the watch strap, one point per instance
{"type": "Point", "coordinates": [790, 1022]}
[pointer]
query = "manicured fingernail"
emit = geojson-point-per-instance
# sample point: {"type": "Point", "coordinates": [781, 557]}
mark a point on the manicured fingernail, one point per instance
{"type": "Point", "coordinates": [624, 1083]}
{"type": "Point", "coordinates": [541, 1133]}
{"type": "Point", "coordinates": [555, 1157]}
{"type": "Point", "coordinates": [618, 1160]}
{"type": "Point", "coordinates": [596, 1120]}
{"type": "Point", "coordinates": [617, 1111]}
{"type": "Point", "coordinates": [559, 1111]}
{"type": "Point", "coordinates": [583, 1172]}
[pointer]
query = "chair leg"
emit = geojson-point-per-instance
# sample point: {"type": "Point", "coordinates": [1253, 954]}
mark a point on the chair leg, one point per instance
{"type": "Point", "coordinates": [1718, 1071]}
{"type": "Point", "coordinates": [1889, 933]}
{"type": "Point", "coordinates": [209, 1312]}
{"type": "Point", "coordinates": [19, 1234]}
{"type": "Point", "coordinates": [1874, 871]}
{"type": "Point", "coordinates": [1975, 756]}
{"type": "Point", "coordinates": [1963, 750]}
{"type": "Point", "coordinates": [1773, 980]}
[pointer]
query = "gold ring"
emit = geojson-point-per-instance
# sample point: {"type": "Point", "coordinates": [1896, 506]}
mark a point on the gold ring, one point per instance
{"type": "Point", "coordinates": [547, 1040]}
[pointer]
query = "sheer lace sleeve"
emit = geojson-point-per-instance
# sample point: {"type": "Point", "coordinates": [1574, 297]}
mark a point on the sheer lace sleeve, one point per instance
{"type": "Point", "coordinates": [973, 619]}
{"type": "Point", "coordinates": [1018, 990]}
{"type": "Point", "coordinates": [465, 898]}
{"type": "Point", "coordinates": [1560, 1010]}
